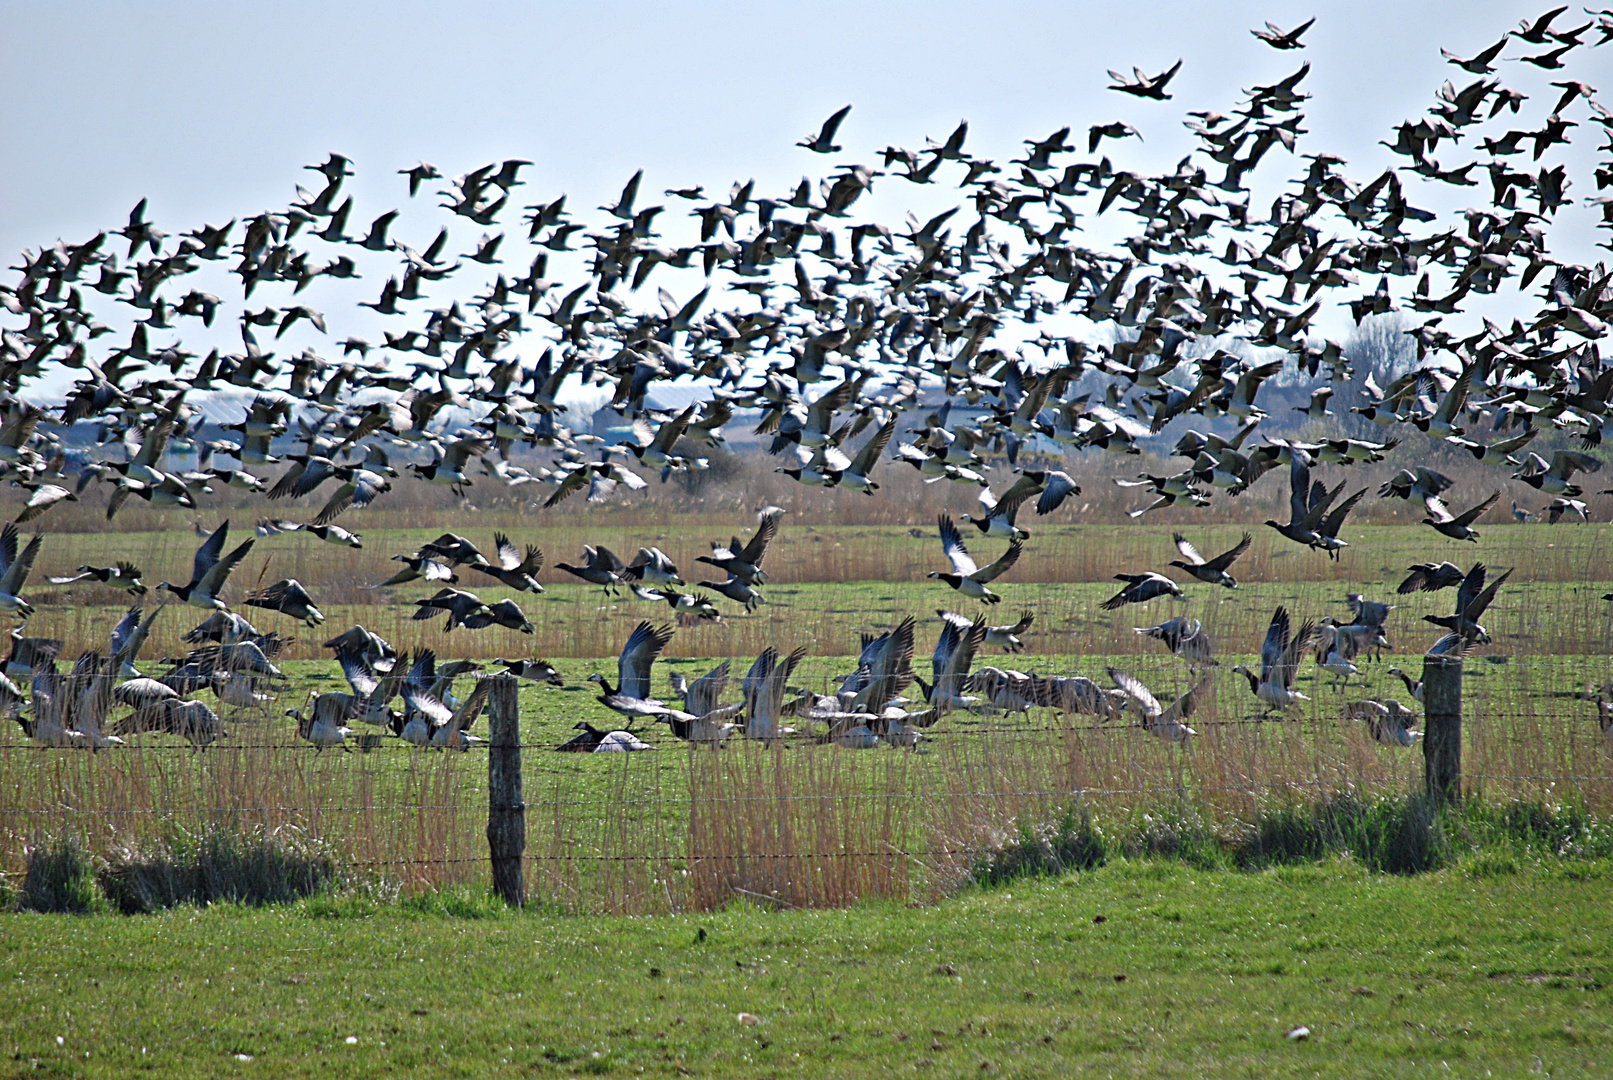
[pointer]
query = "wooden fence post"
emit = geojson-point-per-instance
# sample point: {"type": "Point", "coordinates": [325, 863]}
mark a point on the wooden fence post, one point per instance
{"type": "Point", "coordinates": [506, 811]}
{"type": "Point", "coordinates": [1442, 727]}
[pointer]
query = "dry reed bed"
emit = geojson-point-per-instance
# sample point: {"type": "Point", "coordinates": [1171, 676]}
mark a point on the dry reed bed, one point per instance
{"type": "Point", "coordinates": [800, 824]}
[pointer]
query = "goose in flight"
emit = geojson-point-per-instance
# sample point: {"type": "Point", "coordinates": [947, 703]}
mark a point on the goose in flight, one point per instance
{"type": "Point", "coordinates": [600, 567]}
{"type": "Point", "coordinates": [1279, 663]}
{"type": "Point", "coordinates": [1184, 637]}
{"type": "Point", "coordinates": [712, 723]}
{"type": "Point", "coordinates": [1164, 721]}
{"type": "Point", "coordinates": [966, 577]}
{"type": "Point", "coordinates": [210, 571]}
{"type": "Point", "coordinates": [823, 142]}
{"type": "Point", "coordinates": [1472, 598]}
{"type": "Point", "coordinates": [631, 694]}
{"type": "Point", "coordinates": [1211, 571]}
{"type": "Point", "coordinates": [1456, 526]}
{"type": "Point", "coordinates": [539, 671]}
{"type": "Point", "coordinates": [514, 568]}
{"type": "Point", "coordinates": [1431, 577]}
{"type": "Point", "coordinates": [1140, 589]}
{"type": "Point", "coordinates": [289, 598]}
{"type": "Point", "coordinates": [1145, 86]}
{"type": "Point", "coordinates": [1000, 512]}
{"type": "Point", "coordinates": [124, 575]}
{"type": "Point", "coordinates": [14, 569]}
{"type": "Point", "coordinates": [1279, 39]}
{"type": "Point", "coordinates": [128, 637]}
{"type": "Point", "coordinates": [744, 561]}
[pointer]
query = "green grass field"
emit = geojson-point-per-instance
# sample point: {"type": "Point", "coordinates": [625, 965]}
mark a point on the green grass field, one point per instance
{"type": "Point", "coordinates": [1137, 969]}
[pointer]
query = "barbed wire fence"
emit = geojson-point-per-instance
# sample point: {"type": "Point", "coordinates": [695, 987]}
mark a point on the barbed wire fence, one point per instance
{"type": "Point", "coordinates": [798, 822]}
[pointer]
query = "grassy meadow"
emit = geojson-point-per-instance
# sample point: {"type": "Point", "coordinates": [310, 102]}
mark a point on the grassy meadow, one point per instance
{"type": "Point", "coordinates": [1495, 967]}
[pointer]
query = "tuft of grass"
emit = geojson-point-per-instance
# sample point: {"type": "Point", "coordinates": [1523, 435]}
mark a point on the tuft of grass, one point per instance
{"type": "Point", "coordinates": [456, 902]}
{"type": "Point", "coordinates": [60, 877]}
{"type": "Point", "coordinates": [222, 865]}
{"type": "Point", "coordinates": [1074, 843]}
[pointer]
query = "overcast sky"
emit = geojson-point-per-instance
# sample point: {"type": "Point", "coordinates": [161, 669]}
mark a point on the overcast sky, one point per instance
{"type": "Point", "coordinates": [211, 109]}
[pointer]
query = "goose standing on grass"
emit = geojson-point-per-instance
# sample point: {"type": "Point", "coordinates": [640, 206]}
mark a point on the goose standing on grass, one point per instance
{"type": "Point", "coordinates": [591, 740]}
{"type": "Point", "coordinates": [14, 570]}
{"type": "Point", "coordinates": [1388, 722]}
{"type": "Point", "coordinates": [1522, 516]}
{"type": "Point", "coordinates": [966, 577]}
{"type": "Point", "coordinates": [1279, 663]}
{"type": "Point", "coordinates": [209, 572]}
{"type": "Point", "coordinates": [1604, 717]}
{"type": "Point", "coordinates": [764, 687]}
{"type": "Point", "coordinates": [1140, 589]}
{"type": "Point", "coordinates": [289, 598]}
{"type": "Point", "coordinates": [1414, 687]}
{"type": "Point", "coordinates": [1210, 571]}
{"type": "Point", "coordinates": [1184, 637]}
{"type": "Point", "coordinates": [1166, 722]}
{"type": "Point", "coordinates": [1005, 637]}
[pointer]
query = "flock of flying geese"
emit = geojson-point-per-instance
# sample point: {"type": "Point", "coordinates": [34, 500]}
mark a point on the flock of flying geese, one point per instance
{"type": "Point", "coordinates": [830, 326]}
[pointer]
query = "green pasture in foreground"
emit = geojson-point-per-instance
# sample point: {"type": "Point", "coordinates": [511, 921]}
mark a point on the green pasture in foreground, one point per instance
{"type": "Point", "coordinates": [1139, 968]}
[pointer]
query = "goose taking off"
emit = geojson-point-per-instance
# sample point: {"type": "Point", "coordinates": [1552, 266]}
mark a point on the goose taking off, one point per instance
{"type": "Point", "coordinates": [1211, 571]}
{"type": "Point", "coordinates": [764, 688]}
{"type": "Point", "coordinates": [14, 569]}
{"type": "Point", "coordinates": [1472, 598]}
{"type": "Point", "coordinates": [1184, 637]}
{"type": "Point", "coordinates": [1279, 663]}
{"type": "Point", "coordinates": [966, 577]}
{"type": "Point", "coordinates": [1166, 722]}
{"type": "Point", "coordinates": [953, 657]}
{"type": "Point", "coordinates": [631, 694]}
{"type": "Point", "coordinates": [1388, 722]}
{"type": "Point", "coordinates": [1005, 638]}
{"type": "Point", "coordinates": [209, 572]}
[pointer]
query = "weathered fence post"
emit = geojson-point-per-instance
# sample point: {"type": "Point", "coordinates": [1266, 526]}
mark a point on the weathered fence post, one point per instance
{"type": "Point", "coordinates": [506, 811]}
{"type": "Point", "coordinates": [1442, 726]}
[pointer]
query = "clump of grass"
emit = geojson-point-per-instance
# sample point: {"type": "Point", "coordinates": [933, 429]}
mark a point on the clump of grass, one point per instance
{"type": "Point", "coordinates": [1074, 843]}
{"type": "Point", "coordinates": [60, 877]}
{"type": "Point", "coordinates": [456, 902]}
{"type": "Point", "coordinates": [1174, 832]}
{"type": "Point", "coordinates": [1403, 835]}
{"type": "Point", "coordinates": [222, 865]}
